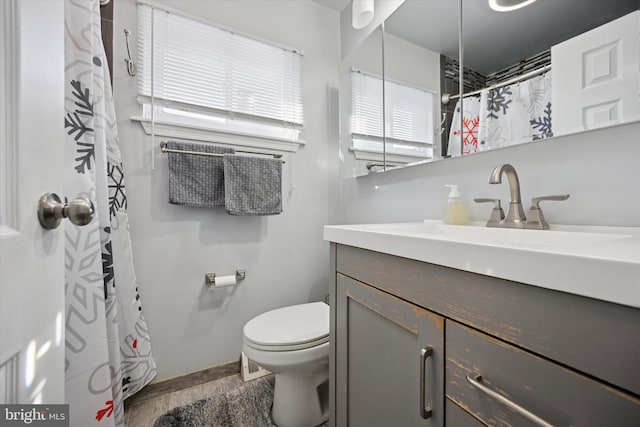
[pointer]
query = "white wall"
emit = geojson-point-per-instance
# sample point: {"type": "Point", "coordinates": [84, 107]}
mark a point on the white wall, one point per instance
{"type": "Point", "coordinates": [285, 258]}
{"type": "Point", "coordinates": [599, 169]}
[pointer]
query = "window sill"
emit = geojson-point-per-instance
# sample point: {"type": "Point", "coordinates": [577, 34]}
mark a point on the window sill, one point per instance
{"type": "Point", "coordinates": [196, 133]}
{"type": "Point", "coordinates": [390, 157]}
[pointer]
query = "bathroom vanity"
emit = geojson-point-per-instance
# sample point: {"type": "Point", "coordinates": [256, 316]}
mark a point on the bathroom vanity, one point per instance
{"type": "Point", "coordinates": [422, 339]}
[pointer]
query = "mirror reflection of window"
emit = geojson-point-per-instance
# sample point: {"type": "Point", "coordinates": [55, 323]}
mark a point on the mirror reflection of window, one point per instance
{"type": "Point", "coordinates": [409, 124]}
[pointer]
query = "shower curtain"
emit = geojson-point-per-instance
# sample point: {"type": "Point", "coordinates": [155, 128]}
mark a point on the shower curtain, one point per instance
{"type": "Point", "coordinates": [108, 348]}
{"type": "Point", "coordinates": [508, 115]}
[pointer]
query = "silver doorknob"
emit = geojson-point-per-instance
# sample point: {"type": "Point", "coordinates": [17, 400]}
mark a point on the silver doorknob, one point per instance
{"type": "Point", "coordinates": [51, 210]}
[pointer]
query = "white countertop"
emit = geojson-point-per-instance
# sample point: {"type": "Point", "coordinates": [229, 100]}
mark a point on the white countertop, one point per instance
{"type": "Point", "coordinates": [597, 262]}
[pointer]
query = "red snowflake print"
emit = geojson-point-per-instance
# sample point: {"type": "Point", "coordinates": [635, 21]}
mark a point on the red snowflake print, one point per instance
{"type": "Point", "coordinates": [108, 410]}
{"type": "Point", "coordinates": [470, 135]}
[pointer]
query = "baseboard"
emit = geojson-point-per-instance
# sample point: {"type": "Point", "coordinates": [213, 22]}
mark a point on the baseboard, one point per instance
{"type": "Point", "coordinates": [181, 382]}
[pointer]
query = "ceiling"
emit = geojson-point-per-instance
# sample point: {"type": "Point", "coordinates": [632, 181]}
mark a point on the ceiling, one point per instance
{"type": "Point", "coordinates": [336, 5]}
{"type": "Point", "coordinates": [495, 40]}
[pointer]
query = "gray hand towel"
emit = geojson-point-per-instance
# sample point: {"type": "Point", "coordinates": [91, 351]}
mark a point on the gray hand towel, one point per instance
{"type": "Point", "coordinates": [252, 185]}
{"type": "Point", "coordinates": [196, 180]}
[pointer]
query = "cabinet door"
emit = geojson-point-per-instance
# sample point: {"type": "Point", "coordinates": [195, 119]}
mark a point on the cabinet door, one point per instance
{"type": "Point", "coordinates": [389, 360]}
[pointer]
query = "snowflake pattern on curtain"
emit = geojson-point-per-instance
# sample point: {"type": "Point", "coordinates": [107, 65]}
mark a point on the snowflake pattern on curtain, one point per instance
{"type": "Point", "coordinates": [117, 196]}
{"type": "Point", "coordinates": [498, 101]}
{"type": "Point", "coordinates": [469, 135]}
{"type": "Point", "coordinates": [108, 348]}
{"type": "Point", "coordinates": [543, 124]}
{"type": "Point", "coordinates": [76, 125]}
{"type": "Point", "coordinates": [470, 128]}
{"type": "Point", "coordinates": [506, 116]}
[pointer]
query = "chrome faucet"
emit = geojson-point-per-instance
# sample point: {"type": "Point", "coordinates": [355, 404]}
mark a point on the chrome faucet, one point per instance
{"type": "Point", "coordinates": [515, 215]}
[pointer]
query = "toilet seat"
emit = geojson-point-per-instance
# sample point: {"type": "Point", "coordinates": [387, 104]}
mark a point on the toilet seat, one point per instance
{"type": "Point", "coordinates": [290, 328]}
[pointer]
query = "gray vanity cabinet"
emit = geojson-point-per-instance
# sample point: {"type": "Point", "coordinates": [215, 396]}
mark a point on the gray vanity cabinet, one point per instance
{"type": "Point", "coordinates": [389, 359]}
{"type": "Point", "coordinates": [562, 359]}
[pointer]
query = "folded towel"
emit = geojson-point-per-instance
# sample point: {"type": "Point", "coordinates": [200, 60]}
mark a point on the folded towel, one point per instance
{"type": "Point", "coordinates": [196, 180]}
{"type": "Point", "coordinates": [252, 185]}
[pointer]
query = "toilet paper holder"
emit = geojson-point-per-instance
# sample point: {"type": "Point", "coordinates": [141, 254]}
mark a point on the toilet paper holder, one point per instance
{"type": "Point", "coordinates": [210, 278]}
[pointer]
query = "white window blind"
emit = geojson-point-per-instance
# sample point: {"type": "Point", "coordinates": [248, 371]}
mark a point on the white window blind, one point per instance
{"type": "Point", "coordinates": [205, 76]}
{"type": "Point", "coordinates": [409, 117]}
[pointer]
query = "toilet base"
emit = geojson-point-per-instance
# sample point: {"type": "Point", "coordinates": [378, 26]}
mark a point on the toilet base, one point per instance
{"type": "Point", "coordinates": [300, 400]}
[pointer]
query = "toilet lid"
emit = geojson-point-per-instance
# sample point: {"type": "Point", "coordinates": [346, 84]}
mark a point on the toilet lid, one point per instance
{"type": "Point", "coordinates": [294, 327]}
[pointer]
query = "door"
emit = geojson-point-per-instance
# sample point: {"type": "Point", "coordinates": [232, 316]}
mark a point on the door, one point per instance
{"type": "Point", "coordinates": [389, 360]}
{"type": "Point", "coordinates": [606, 61]}
{"type": "Point", "coordinates": [31, 159]}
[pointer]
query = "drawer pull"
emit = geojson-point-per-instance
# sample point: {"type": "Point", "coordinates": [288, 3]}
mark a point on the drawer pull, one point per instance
{"type": "Point", "coordinates": [476, 382]}
{"type": "Point", "coordinates": [425, 410]}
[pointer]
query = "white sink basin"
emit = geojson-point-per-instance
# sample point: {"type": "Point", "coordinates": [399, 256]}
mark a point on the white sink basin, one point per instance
{"type": "Point", "coordinates": [540, 239]}
{"type": "Point", "coordinates": [597, 262]}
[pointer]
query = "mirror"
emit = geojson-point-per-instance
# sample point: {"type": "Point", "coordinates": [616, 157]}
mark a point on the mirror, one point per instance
{"type": "Point", "coordinates": [593, 82]}
{"type": "Point", "coordinates": [361, 142]}
{"type": "Point", "coordinates": [410, 118]}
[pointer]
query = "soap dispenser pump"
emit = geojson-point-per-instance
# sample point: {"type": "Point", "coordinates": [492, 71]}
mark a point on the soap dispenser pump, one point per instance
{"type": "Point", "coordinates": [456, 212]}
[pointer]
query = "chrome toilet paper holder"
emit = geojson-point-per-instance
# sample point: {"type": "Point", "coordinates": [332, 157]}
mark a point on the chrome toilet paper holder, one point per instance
{"type": "Point", "coordinates": [210, 278]}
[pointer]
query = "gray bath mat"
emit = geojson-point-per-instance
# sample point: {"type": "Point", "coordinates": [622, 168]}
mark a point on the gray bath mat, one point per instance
{"type": "Point", "coordinates": [248, 405]}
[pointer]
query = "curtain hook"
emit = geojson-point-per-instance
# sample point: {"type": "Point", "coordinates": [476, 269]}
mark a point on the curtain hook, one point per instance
{"type": "Point", "coordinates": [440, 129]}
{"type": "Point", "coordinates": [131, 66]}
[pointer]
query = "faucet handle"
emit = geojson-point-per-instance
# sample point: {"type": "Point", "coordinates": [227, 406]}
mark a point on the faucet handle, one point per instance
{"type": "Point", "coordinates": [494, 201]}
{"type": "Point", "coordinates": [497, 214]}
{"type": "Point", "coordinates": [536, 200]}
{"type": "Point", "coordinates": [535, 219]}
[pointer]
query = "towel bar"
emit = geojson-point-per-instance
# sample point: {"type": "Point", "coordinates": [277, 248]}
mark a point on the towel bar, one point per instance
{"type": "Point", "coordinates": [164, 149]}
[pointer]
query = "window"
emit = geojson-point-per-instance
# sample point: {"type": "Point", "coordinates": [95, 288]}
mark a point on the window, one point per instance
{"type": "Point", "coordinates": [409, 120]}
{"type": "Point", "coordinates": [205, 83]}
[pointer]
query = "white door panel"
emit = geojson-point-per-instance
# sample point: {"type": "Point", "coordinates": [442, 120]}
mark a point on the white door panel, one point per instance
{"type": "Point", "coordinates": [596, 77]}
{"type": "Point", "coordinates": [31, 150]}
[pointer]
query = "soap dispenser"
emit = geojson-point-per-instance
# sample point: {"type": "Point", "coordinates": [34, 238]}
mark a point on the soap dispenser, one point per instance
{"type": "Point", "coordinates": [456, 212]}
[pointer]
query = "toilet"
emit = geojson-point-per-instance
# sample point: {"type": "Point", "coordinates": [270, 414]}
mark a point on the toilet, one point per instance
{"type": "Point", "coordinates": [293, 343]}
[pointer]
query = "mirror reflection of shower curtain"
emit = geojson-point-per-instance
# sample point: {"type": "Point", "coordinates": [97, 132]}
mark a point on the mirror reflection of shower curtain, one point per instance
{"type": "Point", "coordinates": [108, 349]}
{"type": "Point", "coordinates": [508, 115]}
{"type": "Point", "coordinates": [470, 127]}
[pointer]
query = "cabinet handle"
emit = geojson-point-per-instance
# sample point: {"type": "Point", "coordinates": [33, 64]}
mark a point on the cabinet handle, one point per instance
{"type": "Point", "coordinates": [425, 410]}
{"type": "Point", "coordinates": [475, 381]}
